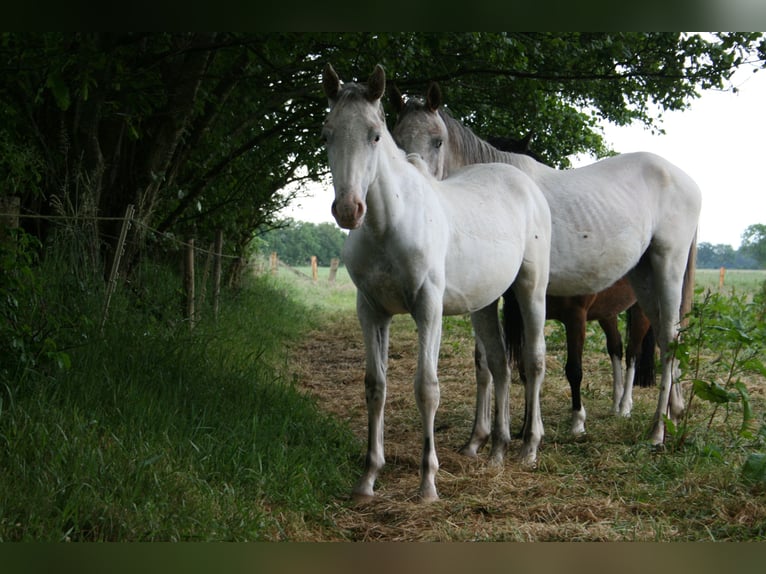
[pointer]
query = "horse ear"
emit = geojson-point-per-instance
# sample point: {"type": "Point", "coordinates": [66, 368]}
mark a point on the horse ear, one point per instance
{"type": "Point", "coordinates": [433, 97]}
{"type": "Point", "coordinates": [330, 82]}
{"type": "Point", "coordinates": [525, 141]}
{"type": "Point", "coordinates": [395, 97]}
{"type": "Point", "coordinates": [376, 85]}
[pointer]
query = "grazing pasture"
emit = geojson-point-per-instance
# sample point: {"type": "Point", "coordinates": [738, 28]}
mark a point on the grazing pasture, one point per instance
{"type": "Point", "coordinates": [610, 484]}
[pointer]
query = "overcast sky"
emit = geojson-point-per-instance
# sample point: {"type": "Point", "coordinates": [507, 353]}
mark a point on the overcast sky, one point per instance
{"type": "Point", "coordinates": [720, 142]}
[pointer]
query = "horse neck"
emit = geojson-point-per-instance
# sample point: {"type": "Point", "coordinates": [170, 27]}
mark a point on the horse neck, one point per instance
{"type": "Point", "coordinates": [466, 148]}
{"type": "Point", "coordinates": [385, 195]}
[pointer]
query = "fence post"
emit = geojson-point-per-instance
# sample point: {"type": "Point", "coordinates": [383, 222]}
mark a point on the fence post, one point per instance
{"type": "Point", "coordinates": [205, 277]}
{"type": "Point", "coordinates": [10, 207]}
{"type": "Point", "coordinates": [217, 272]}
{"type": "Point", "coordinates": [274, 263]}
{"type": "Point", "coordinates": [721, 277]}
{"type": "Point", "coordinates": [334, 262]}
{"type": "Point", "coordinates": [314, 269]}
{"type": "Point", "coordinates": [112, 283]}
{"type": "Point", "coordinates": [189, 281]}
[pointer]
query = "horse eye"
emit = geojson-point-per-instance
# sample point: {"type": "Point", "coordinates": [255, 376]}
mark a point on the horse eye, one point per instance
{"type": "Point", "coordinates": [376, 139]}
{"type": "Point", "coordinates": [438, 143]}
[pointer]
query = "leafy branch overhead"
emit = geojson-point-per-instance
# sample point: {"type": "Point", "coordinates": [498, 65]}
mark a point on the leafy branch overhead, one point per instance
{"type": "Point", "coordinates": [205, 130]}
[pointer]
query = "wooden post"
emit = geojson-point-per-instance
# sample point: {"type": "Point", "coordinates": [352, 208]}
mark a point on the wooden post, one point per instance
{"type": "Point", "coordinates": [9, 215]}
{"type": "Point", "coordinates": [334, 263]}
{"type": "Point", "coordinates": [217, 272]}
{"type": "Point", "coordinates": [112, 283]}
{"type": "Point", "coordinates": [721, 276]}
{"type": "Point", "coordinates": [274, 263]}
{"type": "Point", "coordinates": [205, 277]}
{"type": "Point", "coordinates": [314, 269]}
{"type": "Point", "coordinates": [189, 282]}
{"type": "Point", "coordinates": [9, 211]}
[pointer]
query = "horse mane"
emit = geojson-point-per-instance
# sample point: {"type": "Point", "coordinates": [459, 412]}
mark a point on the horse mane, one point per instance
{"type": "Point", "coordinates": [417, 160]}
{"type": "Point", "coordinates": [465, 143]}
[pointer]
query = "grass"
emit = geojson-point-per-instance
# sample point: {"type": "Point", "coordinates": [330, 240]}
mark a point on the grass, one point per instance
{"type": "Point", "coordinates": [735, 280]}
{"type": "Point", "coordinates": [156, 433]}
{"type": "Point", "coordinates": [253, 428]}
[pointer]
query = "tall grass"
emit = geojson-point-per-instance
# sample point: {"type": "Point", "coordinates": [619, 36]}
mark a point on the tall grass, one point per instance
{"type": "Point", "coordinates": [148, 431]}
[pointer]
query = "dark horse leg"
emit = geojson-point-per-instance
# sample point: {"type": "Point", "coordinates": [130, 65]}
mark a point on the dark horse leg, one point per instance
{"type": "Point", "coordinates": [614, 348]}
{"type": "Point", "coordinates": [639, 357]}
{"type": "Point", "coordinates": [574, 324]}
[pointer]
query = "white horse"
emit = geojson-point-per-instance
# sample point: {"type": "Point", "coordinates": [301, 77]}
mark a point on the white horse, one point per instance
{"type": "Point", "coordinates": [634, 214]}
{"type": "Point", "coordinates": [428, 248]}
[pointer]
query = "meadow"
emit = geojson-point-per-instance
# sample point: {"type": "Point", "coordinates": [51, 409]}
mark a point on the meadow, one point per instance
{"type": "Point", "coordinates": [253, 427]}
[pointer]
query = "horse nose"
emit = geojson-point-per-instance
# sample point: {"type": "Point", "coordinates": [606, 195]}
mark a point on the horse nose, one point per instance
{"type": "Point", "coordinates": [348, 212]}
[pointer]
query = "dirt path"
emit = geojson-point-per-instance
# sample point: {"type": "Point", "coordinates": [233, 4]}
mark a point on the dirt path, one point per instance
{"type": "Point", "coordinates": [478, 502]}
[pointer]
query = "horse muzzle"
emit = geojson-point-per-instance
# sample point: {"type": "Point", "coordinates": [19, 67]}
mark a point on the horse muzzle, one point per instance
{"type": "Point", "coordinates": [349, 212]}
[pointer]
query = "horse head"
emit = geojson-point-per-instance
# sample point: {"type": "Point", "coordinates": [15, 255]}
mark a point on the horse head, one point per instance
{"type": "Point", "coordinates": [352, 133]}
{"type": "Point", "coordinates": [421, 129]}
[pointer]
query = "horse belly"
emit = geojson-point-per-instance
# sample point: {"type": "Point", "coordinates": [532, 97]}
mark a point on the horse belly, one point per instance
{"type": "Point", "coordinates": [479, 276]}
{"type": "Point", "coordinates": [594, 244]}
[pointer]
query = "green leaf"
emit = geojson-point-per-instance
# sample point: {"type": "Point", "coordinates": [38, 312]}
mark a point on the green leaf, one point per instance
{"type": "Point", "coordinates": [712, 392]}
{"type": "Point", "coordinates": [747, 410]}
{"type": "Point", "coordinates": [59, 89]}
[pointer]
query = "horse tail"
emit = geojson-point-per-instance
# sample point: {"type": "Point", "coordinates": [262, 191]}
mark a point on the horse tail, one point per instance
{"type": "Point", "coordinates": [687, 292]}
{"type": "Point", "coordinates": [513, 326]}
{"type": "Point", "coordinates": [645, 376]}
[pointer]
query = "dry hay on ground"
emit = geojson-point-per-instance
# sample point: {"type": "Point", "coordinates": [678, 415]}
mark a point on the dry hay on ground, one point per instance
{"type": "Point", "coordinates": [583, 489]}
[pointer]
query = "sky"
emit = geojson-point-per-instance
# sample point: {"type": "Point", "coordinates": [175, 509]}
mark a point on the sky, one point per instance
{"type": "Point", "coordinates": [720, 141]}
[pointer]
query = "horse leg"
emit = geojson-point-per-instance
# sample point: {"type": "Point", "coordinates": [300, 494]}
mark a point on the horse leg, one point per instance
{"type": "Point", "coordinates": [428, 317]}
{"type": "Point", "coordinates": [530, 290]}
{"type": "Point", "coordinates": [614, 347]}
{"type": "Point", "coordinates": [657, 281]}
{"type": "Point", "coordinates": [375, 329]}
{"type": "Point", "coordinates": [639, 356]}
{"type": "Point", "coordinates": [481, 421]}
{"type": "Point", "coordinates": [575, 332]}
{"type": "Point", "coordinates": [487, 328]}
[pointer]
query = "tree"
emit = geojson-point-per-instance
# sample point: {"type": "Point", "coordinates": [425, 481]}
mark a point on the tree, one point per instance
{"type": "Point", "coordinates": [754, 243]}
{"type": "Point", "coordinates": [297, 241]}
{"type": "Point", "coordinates": [202, 131]}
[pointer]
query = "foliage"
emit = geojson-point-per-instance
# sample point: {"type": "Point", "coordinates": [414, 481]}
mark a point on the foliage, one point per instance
{"type": "Point", "coordinates": [297, 241]}
{"type": "Point", "coordinates": [754, 243]}
{"type": "Point", "coordinates": [156, 433]}
{"type": "Point", "coordinates": [30, 322]}
{"type": "Point", "coordinates": [721, 255]}
{"type": "Point", "coordinates": [732, 330]}
{"type": "Point", "coordinates": [201, 131]}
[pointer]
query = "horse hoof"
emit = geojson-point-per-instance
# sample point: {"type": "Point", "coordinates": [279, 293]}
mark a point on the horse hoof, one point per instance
{"type": "Point", "coordinates": [361, 498]}
{"type": "Point", "coordinates": [468, 451]}
{"type": "Point", "coordinates": [578, 431]}
{"type": "Point", "coordinates": [428, 495]}
{"type": "Point", "coordinates": [497, 460]}
{"type": "Point", "coordinates": [528, 460]}
{"type": "Point", "coordinates": [657, 436]}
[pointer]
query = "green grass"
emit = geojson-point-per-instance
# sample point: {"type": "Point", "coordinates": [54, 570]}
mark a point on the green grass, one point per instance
{"type": "Point", "coordinates": [737, 281]}
{"type": "Point", "coordinates": [156, 433]}
{"type": "Point", "coordinates": [151, 431]}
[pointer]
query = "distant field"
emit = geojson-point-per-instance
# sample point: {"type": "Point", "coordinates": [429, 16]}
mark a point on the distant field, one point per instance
{"type": "Point", "coordinates": [735, 280]}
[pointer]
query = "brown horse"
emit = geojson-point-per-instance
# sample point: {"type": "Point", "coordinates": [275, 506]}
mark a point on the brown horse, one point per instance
{"type": "Point", "coordinates": [574, 312]}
